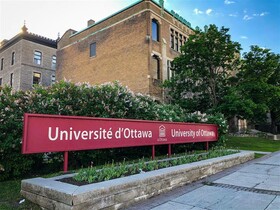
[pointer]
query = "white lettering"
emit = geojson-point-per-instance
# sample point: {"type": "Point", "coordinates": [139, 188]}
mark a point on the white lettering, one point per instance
{"type": "Point", "coordinates": [50, 134]}
{"type": "Point", "coordinates": [65, 134]}
{"type": "Point", "coordinates": [101, 134]}
{"type": "Point", "coordinates": [118, 133]}
{"type": "Point", "coordinates": [207, 133]}
{"type": "Point", "coordinates": [179, 133]}
{"type": "Point", "coordinates": [85, 135]}
{"type": "Point", "coordinates": [77, 134]}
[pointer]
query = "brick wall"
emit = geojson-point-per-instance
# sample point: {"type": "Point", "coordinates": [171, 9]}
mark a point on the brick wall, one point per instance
{"type": "Point", "coordinates": [121, 54]}
{"type": "Point", "coordinates": [124, 49]}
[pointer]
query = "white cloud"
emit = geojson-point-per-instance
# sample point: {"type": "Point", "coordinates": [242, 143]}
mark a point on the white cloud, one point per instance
{"type": "Point", "coordinates": [208, 11]}
{"type": "Point", "coordinates": [263, 14]}
{"type": "Point", "coordinates": [197, 11]}
{"type": "Point", "coordinates": [233, 15]}
{"type": "Point", "coordinates": [260, 14]}
{"type": "Point", "coordinates": [243, 37]}
{"type": "Point", "coordinates": [247, 17]}
{"type": "Point", "coordinates": [229, 2]}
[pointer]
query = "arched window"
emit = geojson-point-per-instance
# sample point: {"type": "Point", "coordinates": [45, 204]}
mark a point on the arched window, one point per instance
{"type": "Point", "coordinates": [155, 30]}
{"type": "Point", "coordinates": [156, 67]}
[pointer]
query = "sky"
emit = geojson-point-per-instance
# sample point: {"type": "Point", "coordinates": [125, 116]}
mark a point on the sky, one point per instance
{"type": "Point", "coordinates": [251, 22]}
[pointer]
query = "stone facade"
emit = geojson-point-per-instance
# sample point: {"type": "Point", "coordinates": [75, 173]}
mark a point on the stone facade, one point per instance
{"type": "Point", "coordinates": [22, 48]}
{"type": "Point", "coordinates": [126, 49]}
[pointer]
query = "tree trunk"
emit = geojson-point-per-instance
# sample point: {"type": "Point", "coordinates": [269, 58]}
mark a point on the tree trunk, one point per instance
{"type": "Point", "coordinates": [273, 126]}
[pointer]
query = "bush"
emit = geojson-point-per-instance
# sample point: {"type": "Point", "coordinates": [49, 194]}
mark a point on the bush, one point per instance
{"type": "Point", "coordinates": [110, 100]}
{"type": "Point", "coordinates": [217, 119]}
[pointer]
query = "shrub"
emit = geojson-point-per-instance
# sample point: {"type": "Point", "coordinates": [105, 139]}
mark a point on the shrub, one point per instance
{"type": "Point", "coordinates": [110, 100]}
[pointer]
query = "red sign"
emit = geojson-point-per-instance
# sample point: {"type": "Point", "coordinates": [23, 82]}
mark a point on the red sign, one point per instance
{"type": "Point", "coordinates": [55, 133]}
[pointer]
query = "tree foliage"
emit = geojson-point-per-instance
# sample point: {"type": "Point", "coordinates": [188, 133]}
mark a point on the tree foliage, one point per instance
{"type": "Point", "coordinates": [202, 71]}
{"type": "Point", "coordinates": [211, 77]}
{"type": "Point", "coordinates": [259, 81]}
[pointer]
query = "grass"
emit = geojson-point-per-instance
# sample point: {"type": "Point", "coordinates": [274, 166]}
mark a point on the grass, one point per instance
{"type": "Point", "coordinates": [258, 155]}
{"type": "Point", "coordinates": [10, 197]}
{"type": "Point", "coordinates": [253, 144]}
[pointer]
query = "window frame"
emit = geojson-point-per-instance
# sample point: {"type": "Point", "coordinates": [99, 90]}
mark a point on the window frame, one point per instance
{"type": "Point", "coordinates": [158, 70]}
{"type": "Point", "coordinates": [177, 41]}
{"type": "Point", "coordinates": [37, 58]}
{"type": "Point", "coordinates": [155, 30]}
{"type": "Point", "coordinates": [92, 50]}
{"type": "Point", "coordinates": [172, 44]}
{"type": "Point", "coordinates": [40, 78]}
{"type": "Point", "coordinates": [54, 62]}
{"type": "Point", "coordinates": [170, 73]}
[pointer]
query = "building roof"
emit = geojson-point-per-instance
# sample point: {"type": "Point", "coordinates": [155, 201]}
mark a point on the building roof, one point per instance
{"type": "Point", "coordinates": [172, 13]}
{"type": "Point", "coordinates": [30, 37]}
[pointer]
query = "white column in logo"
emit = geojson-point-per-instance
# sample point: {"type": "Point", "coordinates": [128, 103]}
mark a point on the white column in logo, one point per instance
{"type": "Point", "coordinates": [162, 131]}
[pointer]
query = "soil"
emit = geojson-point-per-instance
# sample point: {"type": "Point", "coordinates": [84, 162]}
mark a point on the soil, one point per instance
{"type": "Point", "coordinates": [72, 181]}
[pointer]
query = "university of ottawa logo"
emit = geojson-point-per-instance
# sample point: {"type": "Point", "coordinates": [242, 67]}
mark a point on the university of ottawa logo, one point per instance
{"type": "Point", "coordinates": [162, 133]}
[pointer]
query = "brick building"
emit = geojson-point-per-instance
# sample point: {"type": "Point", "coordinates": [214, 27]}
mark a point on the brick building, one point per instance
{"type": "Point", "coordinates": [134, 46]}
{"type": "Point", "coordinates": [27, 59]}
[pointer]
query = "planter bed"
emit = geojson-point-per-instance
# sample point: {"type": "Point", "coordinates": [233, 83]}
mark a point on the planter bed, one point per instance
{"type": "Point", "coordinates": [122, 192]}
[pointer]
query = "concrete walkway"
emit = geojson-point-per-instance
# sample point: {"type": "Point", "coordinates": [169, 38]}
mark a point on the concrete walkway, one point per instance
{"type": "Point", "coordinates": [251, 186]}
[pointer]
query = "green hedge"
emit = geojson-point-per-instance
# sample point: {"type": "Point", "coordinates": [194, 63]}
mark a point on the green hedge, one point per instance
{"type": "Point", "coordinates": [110, 100]}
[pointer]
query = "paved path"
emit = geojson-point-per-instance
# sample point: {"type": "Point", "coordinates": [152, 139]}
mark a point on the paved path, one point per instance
{"type": "Point", "coordinates": [251, 186]}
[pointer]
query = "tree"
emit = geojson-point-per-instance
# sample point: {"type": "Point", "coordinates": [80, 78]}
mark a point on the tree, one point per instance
{"type": "Point", "coordinates": [259, 81]}
{"type": "Point", "coordinates": [202, 71]}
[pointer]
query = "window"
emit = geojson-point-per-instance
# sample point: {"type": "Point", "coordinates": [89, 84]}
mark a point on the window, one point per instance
{"type": "Point", "coordinates": [53, 79]}
{"type": "Point", "coordinates": [155, 30]}
{"type": "Point", "coordinates": [93, 49]}
{"type": "Point", "coordinates": [172, 38]}
{"type": "Point", "coordinates": [37, 57]}
{"type": "Point", "coordinates": [156, 67]}
{"type": "Point", "coordinates": [36, 78]}
{"type": "Point", "coordinates": [176, 42]}
{"type": "Point", "coordinates": [53, 62]}
{"type": "Point", "coordinates": [13, 58]}
{"type": "Point", "coordinates": [181, 42]}
{"type": "Point", "coordinates": [2, 63]}
{"type": "Point", "coordinates": [0, 82]}
{"type": "Point", "coordinates": [12, 79]}
{"type": "Point", "coordinates": [170, 72]}
{"type": "Point", "coordinates": [185, 39]}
